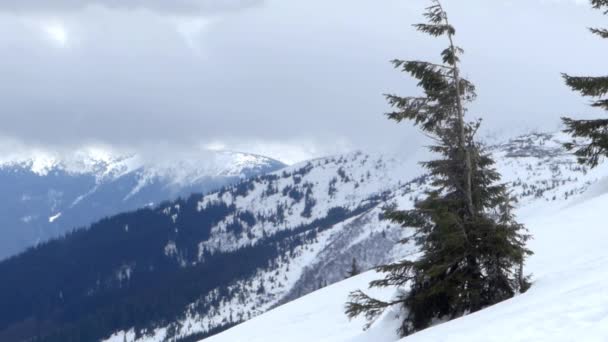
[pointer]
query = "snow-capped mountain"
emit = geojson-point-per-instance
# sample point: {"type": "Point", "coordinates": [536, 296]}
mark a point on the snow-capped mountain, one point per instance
{"type": "Point", "coordinates": [46, 194]}
{"type": "Point", "coordinates": [563, 209]}
{"type": "Point", "coordinates": [219, 259]}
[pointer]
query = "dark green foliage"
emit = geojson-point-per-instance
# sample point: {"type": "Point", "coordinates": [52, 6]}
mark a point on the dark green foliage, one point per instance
{"type": "Point", "coordinates": [243, 188]}
{"type": "Point", "coordinates": [343, 176]}
{"type": "Point", "coordinates": [200, 336]}
{"type": "Point", "coordinates": [247, 217]}
{"type": "Point", "coordinates": [472, 249]}
{"type": "Point", "coordinates": [354, 269]}
{"type": "Point", "coordinates": [309, 201]}
{"type": "Point", "coordinates": [332, 187]}
{"type": "Point", "coordinates": [293, 193]}
{"type": "Point", "coordinates": [594, 133]}
{"type": "Point", "coordinates": [600, 4]}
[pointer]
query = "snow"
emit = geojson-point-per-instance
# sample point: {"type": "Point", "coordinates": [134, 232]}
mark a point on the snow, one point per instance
{"type": "Point", "coordinates": [170, 248]}
{"type": "Point", "coordinates": [128, 336]}
{"type": "Point", "coordinates": [358, 177]}
{"type": "Point", "coordinates": [568, 301]}
{"type": "Point", "coordinates": [54, 217]}
{"type": "Point", "coordinates": [27, 219]}
{"type": "Point", "coordinates": [124, 273]}
{"type": "Point", "coordinates": [317, 317]}
{"type": "Point", "coordinates": [104, 164]}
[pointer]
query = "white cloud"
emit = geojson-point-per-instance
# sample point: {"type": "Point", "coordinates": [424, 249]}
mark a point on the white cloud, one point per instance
{"type": "Point", "coordinates": [576, 2]}
{"type": "Point", "coordinates": [291, 152]}
{"type": "Point", "coordinates": [191, 30]}
{"type": "Point", "coordinates": [57, 33]}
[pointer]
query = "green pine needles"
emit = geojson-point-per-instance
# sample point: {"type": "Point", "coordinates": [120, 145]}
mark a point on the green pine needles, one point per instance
{"type": "Point", "coordinates": [472, 249]}
{"type": "Point", "coordinates": [594, 133]}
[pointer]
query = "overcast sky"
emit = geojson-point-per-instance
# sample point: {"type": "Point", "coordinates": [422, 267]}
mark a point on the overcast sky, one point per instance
{"type": "Point", "coordinates": [292, 79]}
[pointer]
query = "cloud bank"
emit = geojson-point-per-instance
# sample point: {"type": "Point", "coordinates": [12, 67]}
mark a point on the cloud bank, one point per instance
{"type": "Point", "coordinates": [177, 7]}
{"type": "Point", "coordinates": [307, 75]}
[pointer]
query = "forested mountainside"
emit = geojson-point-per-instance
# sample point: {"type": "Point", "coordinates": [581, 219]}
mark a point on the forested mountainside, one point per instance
{"type": "Point", "coordinates": [43, 196]}
{"type": "Point", "coordinates": [567, 301]}
{"type": "Point", "coordinates": [187, 269]}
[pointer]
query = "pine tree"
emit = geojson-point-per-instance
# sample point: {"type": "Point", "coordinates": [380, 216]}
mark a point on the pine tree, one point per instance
{"type": "Point", "coordinates": [594, 133]}
{"type": "Point", "coordinates": [354, 269]}
{"type": "Point", "coordinates": [472, 249]}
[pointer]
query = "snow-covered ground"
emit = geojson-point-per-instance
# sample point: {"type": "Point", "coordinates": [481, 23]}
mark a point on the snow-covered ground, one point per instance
{"type": "Point", "coordinates": [318, 317]}
{"type": "Point", "coordinates": [568, 301]}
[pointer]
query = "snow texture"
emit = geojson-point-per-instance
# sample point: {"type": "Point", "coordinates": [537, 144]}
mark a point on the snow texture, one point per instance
{"type": "Point", "coordinates": [563, 207]}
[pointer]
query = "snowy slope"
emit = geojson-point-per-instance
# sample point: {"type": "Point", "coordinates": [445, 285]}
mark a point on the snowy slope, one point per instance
{"type": "Point", "coordinates": [561, 203]}
{"type": "Point", "coordinates": [317, 317]}
{"type": "Point", "coordinates": [568, 301]}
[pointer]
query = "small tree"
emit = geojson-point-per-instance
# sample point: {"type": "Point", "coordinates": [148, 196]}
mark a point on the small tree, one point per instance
{"type": "Point", "coordinates": [354, 269]}
{"type": "Point", "coordinates": [594, 133]}
{"type": "Point", "coordinates": [472, 249]}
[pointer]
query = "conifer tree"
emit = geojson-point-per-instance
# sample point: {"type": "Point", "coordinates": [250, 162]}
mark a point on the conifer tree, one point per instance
{"type": "Point", "coordinates": [472, 249]}
{"type": "Point", "coordinates": [354, 269]}
{"type": "Point", "coordinates": [594, 133]}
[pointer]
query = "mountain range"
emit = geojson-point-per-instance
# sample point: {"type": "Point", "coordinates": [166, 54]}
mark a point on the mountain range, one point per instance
{"type": "Point", "coordinates": [48, 194]}
{"type": "Point", "coordinates": [190, 268]}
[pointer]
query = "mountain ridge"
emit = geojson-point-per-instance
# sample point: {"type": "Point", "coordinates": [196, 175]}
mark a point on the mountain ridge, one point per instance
{"type": "Point", "coordinates": [46, 196]}
{"type": "Point", "coordinates": [565, 303]}
{"type": "Point", "coordinates": [230, 255]}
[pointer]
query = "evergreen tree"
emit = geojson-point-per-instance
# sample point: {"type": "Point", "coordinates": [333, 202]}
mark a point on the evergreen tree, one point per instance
{"type": "Point", "coordinates": [594, 133]}
{"type": "Point", "coordinates": [472, 249]}
{"type": "Point", "coordinates": [354, 269]}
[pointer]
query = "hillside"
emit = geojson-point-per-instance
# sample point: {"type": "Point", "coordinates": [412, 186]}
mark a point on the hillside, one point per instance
{"type": "Point", "coordinates": [45, 195]}
{"type": "Point", "coordinates": [269, 225]}
{"type": "Point", "coordinates": [188, 269]}
{"type": "Point", "coordinates": [566, 303]}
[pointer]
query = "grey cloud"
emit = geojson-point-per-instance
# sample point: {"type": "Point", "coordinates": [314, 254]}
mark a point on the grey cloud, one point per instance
{"type": "Point", "coordinates": [300, 72]}
{"type": "Point", "coordinates": [179, 7]}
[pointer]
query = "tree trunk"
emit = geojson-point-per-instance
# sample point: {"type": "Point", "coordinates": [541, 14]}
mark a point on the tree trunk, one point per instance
{"type": "Point", "coordinates": [468, 168]}
{"type": "Point", "coordinates": [462, 139]}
